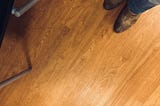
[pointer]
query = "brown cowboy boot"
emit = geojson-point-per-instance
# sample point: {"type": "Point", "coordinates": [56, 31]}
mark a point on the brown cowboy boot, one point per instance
{"type": "Point", "coordinates": [125, 20]}
{"type": "Point", "coordinates": [110, 4]}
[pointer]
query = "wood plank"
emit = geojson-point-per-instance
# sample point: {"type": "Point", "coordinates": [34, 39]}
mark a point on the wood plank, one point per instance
{"type": "Point", "coordinates": [78, 60]}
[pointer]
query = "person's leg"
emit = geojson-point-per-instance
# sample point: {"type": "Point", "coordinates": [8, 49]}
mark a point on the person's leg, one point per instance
{"type": "Point", "coordinates": [130, 14]}
{"type": "Point", "coordinates": [140, 6]}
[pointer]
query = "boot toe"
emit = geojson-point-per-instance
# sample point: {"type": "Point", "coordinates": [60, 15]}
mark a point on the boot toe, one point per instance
{"type": "Point", "coordinates": [107, 6]}
{"type": "Point", "coordinates": [118, 28]}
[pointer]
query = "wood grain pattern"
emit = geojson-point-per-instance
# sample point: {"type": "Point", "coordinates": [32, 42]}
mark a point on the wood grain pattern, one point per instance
{"type": "Point", "coordinates": [78, 60]}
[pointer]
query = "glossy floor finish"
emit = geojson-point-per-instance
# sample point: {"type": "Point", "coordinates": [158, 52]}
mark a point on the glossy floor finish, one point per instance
{"type": "Point", "coordinates": [78, 60]}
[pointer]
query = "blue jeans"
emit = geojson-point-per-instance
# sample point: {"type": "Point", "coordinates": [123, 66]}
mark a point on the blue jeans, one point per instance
{"type": "Point", "coordinates": [140, 6]}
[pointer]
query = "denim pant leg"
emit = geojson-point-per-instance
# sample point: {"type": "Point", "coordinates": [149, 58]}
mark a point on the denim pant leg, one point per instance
{"type": "Point", "coordinates": [139, 6]}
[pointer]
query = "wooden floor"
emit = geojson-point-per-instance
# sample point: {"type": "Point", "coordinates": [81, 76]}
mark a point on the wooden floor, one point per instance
{"type": "Point", "coordinates": [78, 60]}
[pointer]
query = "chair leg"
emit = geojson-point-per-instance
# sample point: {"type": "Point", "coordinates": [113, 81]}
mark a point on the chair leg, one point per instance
{"type": "Point", "coordinates": [14, 78]}
{"type": "Point", "coordinates": [20, 11]}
